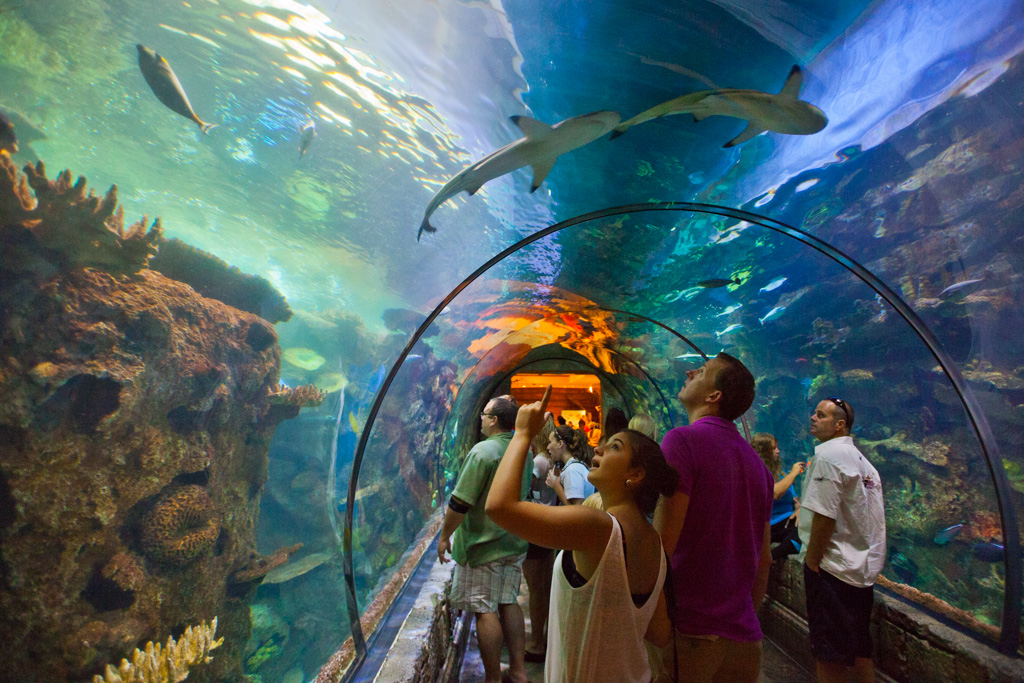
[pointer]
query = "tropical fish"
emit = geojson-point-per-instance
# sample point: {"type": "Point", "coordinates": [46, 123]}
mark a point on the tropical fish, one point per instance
{"type": "Point", "coordinates": [959, 287]}
{"type": "Point", "coordinates": [540, 149]}
{"type": "Point", "coordinates": [306, 135]}
{"type": "Point", "coordinates": [718, 282]}
{"type": "Point", "coordinates": [731, 328]}
{"type": "Point", "coordinates": [165, 85]}
{"type": "Point", "coordinates": [353, 422]}
{"type": "Point", "coordinates": [948, 534]}
{"type": "Point", "coordinates": [730, 309]}
{"type": "Point", "coordinates": [773, 285]}
{"type": "Point", "coordinates": [331, 382]}
{"type": "Point", "coordinates": [989, 552]}
{"type": "Point", "coordinates": [304, 358]}
{"type": "Point", "coordinates": [8, 140]}
{"type": "Point", "coordinates": [773, 314]}
{"type": "Point", "coordinates": [781, 113]}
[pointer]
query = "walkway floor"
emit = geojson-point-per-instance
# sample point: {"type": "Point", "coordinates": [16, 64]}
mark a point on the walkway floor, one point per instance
{"type": "Point", "coordinates": [776, 666]}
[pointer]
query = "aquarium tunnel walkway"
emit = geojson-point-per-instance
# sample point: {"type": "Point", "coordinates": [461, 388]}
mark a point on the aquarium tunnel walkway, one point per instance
{"type": "Point", "coordinates": [1010, 628]}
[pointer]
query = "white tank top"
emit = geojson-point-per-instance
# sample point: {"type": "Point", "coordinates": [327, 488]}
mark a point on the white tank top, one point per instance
{"type": "Point", "coordinates": [595, 632]}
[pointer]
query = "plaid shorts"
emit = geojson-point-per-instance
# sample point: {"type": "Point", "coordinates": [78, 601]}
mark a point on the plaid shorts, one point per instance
{"type": "Point", "coordinates": [481, 589]}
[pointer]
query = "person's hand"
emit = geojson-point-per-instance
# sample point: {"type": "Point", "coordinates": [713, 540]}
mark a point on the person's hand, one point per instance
{"type": "Point", "coordinates": [798, 468]}
{"type": "Point", "coordinates": [553, 481]}
{"type": "Point", "coordinates": [444, 545]}
{"type": "Point", "coordinates": [530, 418]}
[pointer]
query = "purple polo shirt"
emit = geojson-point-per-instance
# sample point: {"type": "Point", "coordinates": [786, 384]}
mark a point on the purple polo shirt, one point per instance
{"type": "Point", "coordinates": [715, 561]}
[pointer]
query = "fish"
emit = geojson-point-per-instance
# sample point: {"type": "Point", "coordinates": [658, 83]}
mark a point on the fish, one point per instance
{"type": "Point", "coordinates": [306, 135]}
{"type": "Point", "coordinates": [731, 328]}
{"type": "Point", "coordinates": [165, 85]}
{"type": "Point", "coordinates": [730, 309]}
{"type": "Point", "coordinates": [718, 282]}
{"type": "Point", "coordinates": [413, 356]}
{"type": "Point", "coordinates": [539, 149]}
{"type": "Point", "coordinates": [689, 356]}
{"type": "Point", "coordinates": [773, 285]}
{"type": "Point", "coordinates": [959, 287]}
{"type": "Point", "coordinates": [781, 113]}
{"type": "Point", "coordinates": [8, 140]}
{"type": "Point", "coordinates": [304, 358]}
{"type": "Point", "coordinates": [773, 314]}
{"type": "Point", "coordinates": [948, 534]}
{"type": "Point", "coordinates": [989, 552]}
{"type": "Point", "coordinates": [353, 422]}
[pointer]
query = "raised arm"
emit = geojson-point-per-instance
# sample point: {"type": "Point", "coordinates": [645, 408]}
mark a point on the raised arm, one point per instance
{"type": "Point", "coordinates": [571, 528]}
{"type": "Point", "coordinates": [782, 485]}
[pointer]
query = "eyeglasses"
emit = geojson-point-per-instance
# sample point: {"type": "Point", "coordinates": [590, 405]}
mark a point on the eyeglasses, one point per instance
{"type": "Point", "coordinates": [842, 404]}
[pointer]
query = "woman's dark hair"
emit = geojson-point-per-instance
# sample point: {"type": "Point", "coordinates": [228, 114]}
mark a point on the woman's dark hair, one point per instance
{"type": "Point", "coordinates": [574, 440]}
{"type": "Point", "coordinates": [614, 422]}
{"type": "Point", "coordinates": [736, 383]}
{"type": "Point", "coordinates": [660, 478]}
{"type": "Point", "coordinates": [764, 443]}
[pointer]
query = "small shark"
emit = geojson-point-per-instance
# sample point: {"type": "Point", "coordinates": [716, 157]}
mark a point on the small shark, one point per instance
{"type": "Point", "coordinates": [540, 149]}
{"type": "Point", "coordinates": [165, 85]}
{"type": "Point", "coordinates": [781, 113]}
{"type": "Point", "coordinates": [730, 309]}
{"type": "Point", "coordinates": [773, 285]}
{"type": "Point", "coordinates": [959, 287]}
{"type": "Point", "coordinates": [731, 328]}
{"type": "Point", "coordinates": [306, 135]}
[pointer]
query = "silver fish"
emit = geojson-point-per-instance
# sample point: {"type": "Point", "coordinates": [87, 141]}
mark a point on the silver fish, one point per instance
{"type": "Point", "coordinates": [731, 328]}
{"type": "Point", "coordinates": [306, 135]}
{"type": "Point", "coordinates": [958, 287]}
{"type": "Point", "coordinates": [730, 309]}
{"type": "Point", "coordinates": [773, 314]}
{"type": "Point", "coordinates": [781, 113]}
{"type": "Point", "coordinates": [165, 85]}
{"type": "Point", "coordinates": [773, 285]}
{"type": "Point", "coordinates": [540, 149]}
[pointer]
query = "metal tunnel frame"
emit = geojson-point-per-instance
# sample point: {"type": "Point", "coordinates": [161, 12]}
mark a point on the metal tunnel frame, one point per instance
{"type": "Point", "coordinates": [1011, 615]}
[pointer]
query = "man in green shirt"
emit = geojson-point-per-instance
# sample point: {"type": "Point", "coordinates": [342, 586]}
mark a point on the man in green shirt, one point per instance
{"type": "Point", "coordinates": [488, 559]}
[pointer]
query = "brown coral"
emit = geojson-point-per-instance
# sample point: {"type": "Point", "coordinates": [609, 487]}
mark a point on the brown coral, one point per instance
{"type": "Point", "coordinates": [302, 396]}
{"type": "Point", "coordinates": [76, 227]}
{"type": "Point", "coordinates": [215, 279]}
{"type": "Point", "coordinates": [182, 527]}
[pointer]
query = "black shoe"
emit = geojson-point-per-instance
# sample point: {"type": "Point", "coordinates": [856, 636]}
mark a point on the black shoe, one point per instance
{"type": "Point", "coordinates": [535, 657]}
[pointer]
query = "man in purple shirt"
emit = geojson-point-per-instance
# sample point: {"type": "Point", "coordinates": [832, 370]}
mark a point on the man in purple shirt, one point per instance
{"type": "Point", "coordinates": [716, 527]}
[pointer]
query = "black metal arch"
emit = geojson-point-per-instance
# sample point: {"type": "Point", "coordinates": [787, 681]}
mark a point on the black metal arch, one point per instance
{"type": "Point", "coordinates": [1011, 616]}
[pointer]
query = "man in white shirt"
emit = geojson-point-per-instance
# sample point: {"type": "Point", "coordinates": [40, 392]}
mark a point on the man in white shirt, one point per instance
{"type": "Point", "coordinates": [844, 546]}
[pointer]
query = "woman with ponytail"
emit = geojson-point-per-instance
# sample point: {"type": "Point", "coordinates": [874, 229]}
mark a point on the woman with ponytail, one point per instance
{"type": "Point", "coordinates": [569, 447]}
{"type": "Point", "coordinates": [606, 594]}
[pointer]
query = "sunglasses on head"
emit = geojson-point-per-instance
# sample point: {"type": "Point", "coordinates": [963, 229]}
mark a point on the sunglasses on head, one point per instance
{"type": "Point", "coordinates": [842, 405]}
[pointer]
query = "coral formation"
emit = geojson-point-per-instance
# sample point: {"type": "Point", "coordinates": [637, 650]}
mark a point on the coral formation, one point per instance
{"type": "Point", "coordinates": [168, 663]}
{"type": "Point", "coordinates": [182, 527]}
{"type": "Point", "coordinates": [302, 396]}
{"type": "Point", "coordinates": [213, 278]}
{"type": "Point", "coordinates": [74, 227]}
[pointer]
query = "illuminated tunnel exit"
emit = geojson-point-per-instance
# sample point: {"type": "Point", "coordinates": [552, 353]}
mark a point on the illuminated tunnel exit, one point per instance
{"type": "Point", "coordinates": [573, 396]}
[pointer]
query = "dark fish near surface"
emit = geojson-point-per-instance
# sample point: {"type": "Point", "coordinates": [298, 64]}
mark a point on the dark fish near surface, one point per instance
{"type": "Point", "coordinates": [989, 552]}
{"type": "Point", "coordinates": [306, 135]}
{"type": "Point", "coordinates": [948, 534]}
{"type": "Point", "coordinates": [8, 140]}
{"type": "Point", "coordinates": [718, 282]}
{"type": "Point", "coordinates": [165, 85]}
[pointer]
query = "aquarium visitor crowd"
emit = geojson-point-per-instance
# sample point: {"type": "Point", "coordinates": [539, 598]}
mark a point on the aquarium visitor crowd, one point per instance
{"type": "Point", "coordinates": [663, 553]}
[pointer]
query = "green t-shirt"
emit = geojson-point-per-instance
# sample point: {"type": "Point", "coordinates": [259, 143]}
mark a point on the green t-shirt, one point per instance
{"type": "Point", "coordinates": [478, 540]}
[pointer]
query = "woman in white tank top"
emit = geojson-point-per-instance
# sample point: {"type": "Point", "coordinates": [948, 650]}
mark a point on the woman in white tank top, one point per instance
{"type": "Point", "coordinates": [606, 595]}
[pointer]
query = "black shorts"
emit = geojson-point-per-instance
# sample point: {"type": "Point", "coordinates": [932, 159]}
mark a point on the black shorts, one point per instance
{"type": "Point", "coordinates": [538, 552]}
{"type": "Point", "coordinates": [839, 617]}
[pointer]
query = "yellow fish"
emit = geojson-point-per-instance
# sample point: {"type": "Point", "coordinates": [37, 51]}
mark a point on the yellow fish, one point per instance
{"type": "Point", "coordinates": [353, 422]}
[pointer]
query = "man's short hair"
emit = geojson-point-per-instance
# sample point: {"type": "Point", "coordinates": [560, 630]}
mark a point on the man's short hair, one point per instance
{"type": "Point", "coordinates": [505, 409]}
{"type": "Point", "coordinates": [736, 383]}
{"type": "Point", "coordinates": [846, 415]}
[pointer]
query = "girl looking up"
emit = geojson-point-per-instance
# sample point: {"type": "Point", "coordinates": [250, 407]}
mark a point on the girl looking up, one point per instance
{"type": "Point", "coordinates": [606, 593]}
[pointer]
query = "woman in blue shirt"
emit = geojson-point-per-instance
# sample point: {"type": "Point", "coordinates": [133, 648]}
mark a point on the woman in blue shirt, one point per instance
{"type": "Point", "coordinates": [786, 509]}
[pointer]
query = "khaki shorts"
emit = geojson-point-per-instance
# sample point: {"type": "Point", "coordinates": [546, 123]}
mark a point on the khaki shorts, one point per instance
{"type": "Point", "coordinates": [481, 589]}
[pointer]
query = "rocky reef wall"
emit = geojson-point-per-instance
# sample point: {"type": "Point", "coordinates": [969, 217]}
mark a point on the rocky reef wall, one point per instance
{"type": "Point", "coordinates": [135, 418]}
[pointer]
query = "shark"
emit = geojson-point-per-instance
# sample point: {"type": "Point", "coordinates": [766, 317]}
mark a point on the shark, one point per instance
{"type": "Point", "coordinates": [783, 112]}
{"type": "Point", "coordinates": [539, 149]}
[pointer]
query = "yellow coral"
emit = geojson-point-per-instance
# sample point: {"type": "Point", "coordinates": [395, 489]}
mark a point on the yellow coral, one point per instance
{"type": "Point", "coordinates": [166, 664]}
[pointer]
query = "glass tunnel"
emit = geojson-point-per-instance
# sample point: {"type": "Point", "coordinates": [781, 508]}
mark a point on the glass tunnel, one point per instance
{"type": "Point", "coordinates": [254, 408]}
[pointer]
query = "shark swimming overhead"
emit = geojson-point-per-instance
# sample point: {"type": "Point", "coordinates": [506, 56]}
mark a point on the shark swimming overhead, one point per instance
{"type": "Point", "coordinates": [539, 150]}
{"type": "Point", "coordinates": [781, 113]}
